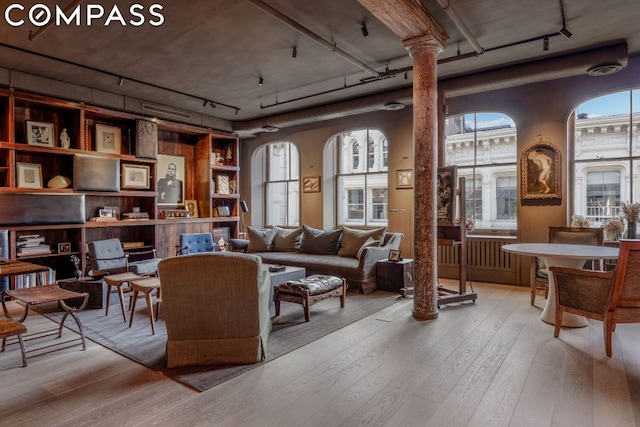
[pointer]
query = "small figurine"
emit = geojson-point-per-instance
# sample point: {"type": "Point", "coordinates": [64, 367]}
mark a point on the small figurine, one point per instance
{"type": "Point", "coordinates": [65, 142]}
{"type": "Point", "coordinates": [76, 263]}
{"type": "Point", "coordinates": [229, 154]}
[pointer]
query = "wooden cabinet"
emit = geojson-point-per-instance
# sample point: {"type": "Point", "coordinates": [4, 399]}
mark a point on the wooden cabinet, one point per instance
{"type": "Point", "coordinates": [42, 138]}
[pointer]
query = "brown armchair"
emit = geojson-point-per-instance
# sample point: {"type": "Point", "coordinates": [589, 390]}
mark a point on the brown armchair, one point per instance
{"type": "Point", "coordinates": [216, 307]}
{"type": "Point", "coordinates": [582, 236]}
{"type": "Point", "coordinates": [612, 296]}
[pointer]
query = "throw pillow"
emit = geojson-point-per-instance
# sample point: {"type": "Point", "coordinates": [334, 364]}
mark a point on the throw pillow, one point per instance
{"type": "Point", "coordinates": [319, 242]}
{"type": "Point", "coordinates": [287, 240]}
{"type": "Point", "coordinates": [260, 240]}
{"type": "Point", "coordinates": [369, 243]}
{"type": "Point", "coordinates": [352, 239]}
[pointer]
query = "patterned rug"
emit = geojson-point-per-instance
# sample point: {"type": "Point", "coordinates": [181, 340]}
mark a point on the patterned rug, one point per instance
{"type": "Point", "coordinates": [289, 332]}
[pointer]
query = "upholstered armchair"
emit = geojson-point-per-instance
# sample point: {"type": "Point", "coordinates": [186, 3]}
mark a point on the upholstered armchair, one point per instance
{"type": "Point", "coordinates": [108, 256]}
{"type": "Point", "coordinates": [194, 243]}
{"type": "Point", "coordinates": [216, 308]}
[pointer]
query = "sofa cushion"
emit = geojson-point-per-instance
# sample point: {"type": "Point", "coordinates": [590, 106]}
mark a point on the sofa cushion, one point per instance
{"type": "Point", "coordinates": [352, 239]}
{"type": "Point", "coordinates": [260, 240]}
{"type": "Point", "coordinates": [319, 242]}
{"type": "Point", "coordinates": [287, 240]}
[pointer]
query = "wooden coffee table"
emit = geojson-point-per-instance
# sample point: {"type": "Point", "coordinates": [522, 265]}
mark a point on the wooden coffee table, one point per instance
{"type": "Point", "coordinates": [42, 294]}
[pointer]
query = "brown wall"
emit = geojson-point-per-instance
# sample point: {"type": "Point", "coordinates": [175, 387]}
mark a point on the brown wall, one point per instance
{"type": "Point", "coordinates": [539, 110]}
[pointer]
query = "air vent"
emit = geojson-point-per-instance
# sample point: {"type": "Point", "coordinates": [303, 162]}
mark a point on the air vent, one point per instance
{"type": "Point", "coordinates": [269, 128]}
{"type": "Point", "coordinates": [393, 106]}
{"type": "Point", "coordinates": [166, 111]}
{"type": "Point", "coordinates": [604, 69]}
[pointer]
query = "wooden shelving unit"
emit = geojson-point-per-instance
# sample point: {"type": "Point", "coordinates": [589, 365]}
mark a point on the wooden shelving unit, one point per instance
{"type": "Point", "coordinates": [207, 153]}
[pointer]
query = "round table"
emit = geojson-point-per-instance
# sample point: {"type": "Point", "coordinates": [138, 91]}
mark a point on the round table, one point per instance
{"type": "Point", "coordinates": [562, 255]}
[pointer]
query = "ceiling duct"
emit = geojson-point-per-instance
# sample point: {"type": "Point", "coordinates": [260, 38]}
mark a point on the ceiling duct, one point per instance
{"type": "Point", "coordinates": [166, 112]}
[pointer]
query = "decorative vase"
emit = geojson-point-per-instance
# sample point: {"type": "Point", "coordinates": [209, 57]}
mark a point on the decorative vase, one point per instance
{"type": "Point", "coordinates": [631, 230]}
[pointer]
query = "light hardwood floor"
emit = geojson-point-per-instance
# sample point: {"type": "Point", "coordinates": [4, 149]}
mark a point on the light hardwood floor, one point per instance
{"type": "Point", "coordinates": [489, 363]}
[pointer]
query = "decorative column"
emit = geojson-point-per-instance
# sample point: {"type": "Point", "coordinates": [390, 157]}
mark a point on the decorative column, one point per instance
{"type": "Point", "coordinates": [424, 50]}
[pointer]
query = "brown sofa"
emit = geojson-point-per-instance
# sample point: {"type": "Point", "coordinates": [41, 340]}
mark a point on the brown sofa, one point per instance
{"type": "Point", "coordinates": [356, 264]}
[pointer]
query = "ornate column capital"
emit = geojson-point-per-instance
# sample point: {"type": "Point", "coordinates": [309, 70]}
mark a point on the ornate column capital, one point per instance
{"type": "Point", "coordinates": [423, 43]}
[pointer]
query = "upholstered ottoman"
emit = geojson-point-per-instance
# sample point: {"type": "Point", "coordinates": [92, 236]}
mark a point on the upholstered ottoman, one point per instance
{"type": "Point", "coordinates": [309, 290]}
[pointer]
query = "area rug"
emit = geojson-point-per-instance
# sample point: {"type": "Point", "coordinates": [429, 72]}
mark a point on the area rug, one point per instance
{"type": "Point", "coordinates": [289, 332]}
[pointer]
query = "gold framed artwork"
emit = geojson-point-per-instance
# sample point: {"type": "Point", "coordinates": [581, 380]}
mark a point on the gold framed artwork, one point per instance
{"type": "Point", "coordinates": [311, 184]}
{"type": "Point", "coordinates": [404, 178]}
{"type": "Point", "coordinates": [135, 176]}
{"type": "Point", "coordinates": [192, 207]}
{"type": "Point", "coordinates": [40, 134]}
{"type": "Point", "coordinates": [446, 194]}
{"type": "Point", "coordinates": [541, 172]}
{"type": "Point", "coordinates": [29, 175]}
{"type": "Point", "coordinates": [108, 139]}
{"type": "Point", "coordinates": [222, 184]}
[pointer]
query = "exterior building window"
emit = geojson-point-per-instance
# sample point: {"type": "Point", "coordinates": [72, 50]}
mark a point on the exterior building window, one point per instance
{"type": "Point", "coordinates": [361, 187]}
{"type": "Point", "coordinates": [282, 186]}
{"type": "Point", "coordinates": [606, 155]}
{"type": "Point", "coordinates": [385, 152]}
{"type": "Point", "coordinates": [483, 146]}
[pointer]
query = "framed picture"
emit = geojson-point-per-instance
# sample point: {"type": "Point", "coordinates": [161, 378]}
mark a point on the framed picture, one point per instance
{"type": "Point", "coordinates": [115, 211]}
{"type": "Point", "coordinates": [105, 213]}
{"type": "Point", "coordinates": [446, 194]}
{"type": "Point", "coordinates": [108, 139]}
{"type": "Point", "coordinates": [40, 134]}
{"type": "Point", "coordinates": [222, 184]}
{"type": "Point", "coordinates": [394, 256]}
{"type": "Point", "coordinates": [221, 238]}
{"type": "Point", "coordinates": [192, 207]}
{"type": "Point", "coordinates": [29, 175]}
{"type": "Point", "coordinates": [541, 172]}
{"type": "Point", "coordinates": [404, 178]}
{"type": "Point", "coordinates": [311, 184]}
{"type": "Point", "coordinates": [64, 248]}
{"type": "Point", "coordinates": [135, 176]}
{"type": "Point", "coordinates": [172, 170]}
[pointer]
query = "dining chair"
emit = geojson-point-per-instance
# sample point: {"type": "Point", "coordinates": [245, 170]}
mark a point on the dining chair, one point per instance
{"type": "Point", "coordinates": [573, 235]}
{"type": "Point", "coordinates": [610, 296]}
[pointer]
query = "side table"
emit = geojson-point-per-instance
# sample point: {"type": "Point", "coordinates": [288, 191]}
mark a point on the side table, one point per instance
{"type": "Point", "coordinates": [96, 288]}
{"type": "Point", "coordinates": [393, 276]}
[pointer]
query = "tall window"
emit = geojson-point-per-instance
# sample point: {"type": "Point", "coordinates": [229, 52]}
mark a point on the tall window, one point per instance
{"type": "Point", "coordinates": [362, 195]}
{"type": "Point", "coordinates": [606, 154]}
{"type": "Point", "coordinates": [282, 186]}
{"type": "Point", "coordinates": [483, 146]}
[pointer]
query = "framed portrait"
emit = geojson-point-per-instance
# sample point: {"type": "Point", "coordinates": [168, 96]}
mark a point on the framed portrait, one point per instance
{"type": "Point", "coordinates": [29, 175]}
{"type": "Point", "coordinates": [115, 211]}
{"type": "Point", "coordinates": [171, 172]}
{"type": "Point", "coordinates": [105, 213]}
{"type": "Point", "coordinates": [64, 248]}
{"type": "Point", "coordinates": [404, 178]}
{"type": "Point", "coordinates": [541, 172]}
{"type": "Point", "coordinates": [311, 184]}
{"type": "Point", "coordinates": [394, 255]}
{"type": "Point", "coordinates": [221, 238]}
{"type": "Point", "coordinates": [40, 134]}
{"type": "Point", "coordinates": [135, 176]}
{"type": "Point", "coordinates": [446, 194]}
{"type": "Point", "coordinates": [108, 139]}
{"type": "Point", "coordinates": [192, 207]}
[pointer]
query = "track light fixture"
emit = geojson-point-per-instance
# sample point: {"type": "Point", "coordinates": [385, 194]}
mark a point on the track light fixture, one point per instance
{"type": "Point", "coordinates": [120, 81]}
{"type": "Point", "coordinates": [204, 104]}
{"type": "Point", "coordinates": [260, 82]}
{"type": "Point", "coordinates": [364, 30]}
{"type": "Point", "coordinates": [565, 32]}
{"type": "Point", "coordinates": [545, 43]}
{"type": "Point", "coordinates": [294, 52]}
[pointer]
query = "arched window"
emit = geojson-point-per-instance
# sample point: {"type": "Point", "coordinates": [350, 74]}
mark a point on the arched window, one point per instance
{"type": "Point", "coordinates": [483, 146]}
{"type": "Point", "coordinates": [606, 155]}
{"type": "Point", "coordinates": [385, 152]}
{"type": "Point", "coordinates": [361, 192]}
{"type": "Point", "coordinates": [282, 184]}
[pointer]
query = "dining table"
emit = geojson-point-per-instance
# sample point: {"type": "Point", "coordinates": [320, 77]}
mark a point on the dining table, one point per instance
{"type": "Point", "coordinates": [562, 255]}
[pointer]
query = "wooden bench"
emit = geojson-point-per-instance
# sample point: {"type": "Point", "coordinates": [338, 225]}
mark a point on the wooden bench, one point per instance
{"type": "Point", "coordinates": [308, 291]}
{"type": "Point", "coordinates": [9, 328]}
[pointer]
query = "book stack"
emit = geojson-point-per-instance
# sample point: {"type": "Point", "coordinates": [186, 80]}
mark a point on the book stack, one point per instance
{"type": "Point", "coordinates": [133, 216]}
{"type": "Point", "coordinates": [32, 244]}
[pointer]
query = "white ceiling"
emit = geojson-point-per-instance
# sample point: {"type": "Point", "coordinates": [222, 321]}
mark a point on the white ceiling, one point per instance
{"type": "Point", "coordinates": [217, 50]}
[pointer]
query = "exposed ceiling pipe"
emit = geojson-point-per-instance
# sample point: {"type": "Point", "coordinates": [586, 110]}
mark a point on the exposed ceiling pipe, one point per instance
{"type": "Point", "coordinates": [451, 12]}
{"type": "Point", "coordinates": [313, 36]}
